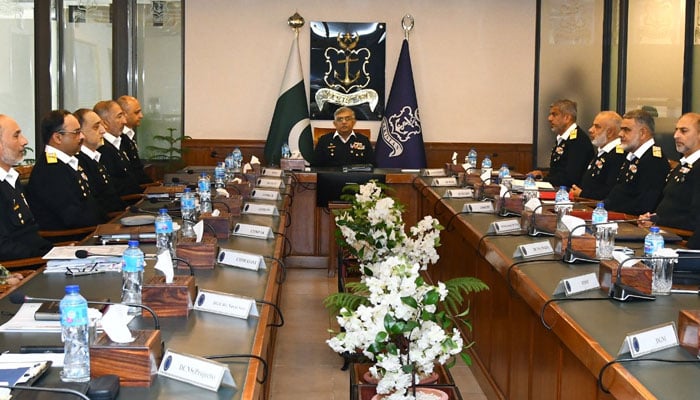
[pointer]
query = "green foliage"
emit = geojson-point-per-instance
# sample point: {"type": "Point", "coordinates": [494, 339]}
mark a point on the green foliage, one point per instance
{"type": "Point", "coordinates": [171, 148]}
{"type": "Point", "coordinates": [355, 296]}
{"type": "Point", "coordinates": [458, 289]}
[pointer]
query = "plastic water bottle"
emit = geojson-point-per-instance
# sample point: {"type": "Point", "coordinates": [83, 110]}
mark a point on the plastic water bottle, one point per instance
{"type": "Point", "coordinates": [286, 152]}
{"type": "Point", "coordinates": [220, 175]}
{"type": "Point", "coordinates": [486, 169]}
{"type": "Point", "coordinates": [562, 206]}
{"type": "Point", "coordinates": [164, 232]}
{"type": "Point", "coordinates": [530, 189]}
{"type": "Point", "coordinates": [470, 160]}
{"type": "Point", "coordinates": [504, 177]}
{"type": "Point", "coordinates": [132, 276]}
{"type": "Point", "coordinates": [600, 215]}
{"type": "Point", "coordinates": [204, 189]}
{"type": "Point", "coordinates": [653, 241]}
{"type": "Point", "coordinates": [187, 208]}
{"type": "Point", "coordinates": [237, 159]}
{"type": "Point", "coordinates": [228, 163]}
{"type": "Point", "coordinates": [75, 335]}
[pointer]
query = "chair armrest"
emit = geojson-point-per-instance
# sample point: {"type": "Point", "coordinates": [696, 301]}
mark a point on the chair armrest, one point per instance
{"type": "Point", "coordinates": [23, 262]}
{"type": "Point", "coordinates": [67, 232]}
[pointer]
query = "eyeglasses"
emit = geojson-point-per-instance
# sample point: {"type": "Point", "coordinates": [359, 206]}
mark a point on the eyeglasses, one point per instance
{"type": "Point", "coordinates": [75, 132]}
{"type": "Point", "coordinates": [341, 119]}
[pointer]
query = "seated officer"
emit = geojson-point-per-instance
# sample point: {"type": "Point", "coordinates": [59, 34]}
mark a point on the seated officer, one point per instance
{"type": "Point", "coordinates": [19, 237]}
{"type": "Point", "coordinates": [58, 189]}
{"type": "Point", "coordinates": [89, 158]}
{"type": "Point", "coordinates": [680, 203]}
{"type": "Point", "coordinates": [113, 158]}
{"type": "Point", "coordinates": [643, 173]}
{"type": "Point", "coordinates": [601, 174]}
{"type": "Point", "coordinates": [344, 146]}
{"type": "Point", "coordinates": [133, 115]}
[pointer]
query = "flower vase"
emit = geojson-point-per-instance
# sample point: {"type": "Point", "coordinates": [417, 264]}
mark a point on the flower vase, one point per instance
{"type": "Point", "coordinates": [422, 394]}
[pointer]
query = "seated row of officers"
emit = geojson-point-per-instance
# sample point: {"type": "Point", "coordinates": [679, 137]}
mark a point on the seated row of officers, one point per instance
{"type": "Point", "coordinates": [621, 164]}
{"type": "Point", "coordinates": [89, 164]}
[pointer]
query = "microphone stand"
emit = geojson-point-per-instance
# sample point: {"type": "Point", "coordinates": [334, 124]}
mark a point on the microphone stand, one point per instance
{"type": "Point", "coordinates": [570, 256]}
{"type": "Point", "coordinates": [532, 229]}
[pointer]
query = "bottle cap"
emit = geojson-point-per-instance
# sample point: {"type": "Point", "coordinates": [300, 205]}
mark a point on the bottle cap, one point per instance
{"type": "Point", "coordinates": [187, 190]}
{"type": "Point", "coordinates": [163, 210]}
{"type": "Point", "coordinates": [563, 188]}
{"type": "Point", "coordinates": [600, 204]}
{"type": "Point", "coordinates": [654, 229]}
{"type": "Point", "coordinates": [70, 289]}
{"type": "Point", "coordinates": [133, 243]}
{"type": "Point", "coordinates": [203, 174]}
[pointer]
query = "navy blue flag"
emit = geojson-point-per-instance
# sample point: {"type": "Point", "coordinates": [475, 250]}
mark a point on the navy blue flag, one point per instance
{"type": "Point", "coordinates": [400, 141]}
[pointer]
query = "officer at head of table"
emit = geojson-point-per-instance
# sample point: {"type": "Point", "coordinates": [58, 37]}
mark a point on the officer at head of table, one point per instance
{"type": "Point", "coordinates": [344, 146]}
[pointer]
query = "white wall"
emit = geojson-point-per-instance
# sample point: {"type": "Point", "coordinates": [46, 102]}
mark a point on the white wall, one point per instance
{"type": "Point", "coordinates": [473, 63]}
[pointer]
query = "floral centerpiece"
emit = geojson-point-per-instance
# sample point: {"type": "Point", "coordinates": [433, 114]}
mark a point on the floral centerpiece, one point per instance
{"type": "Point", "coordinates": [393, 316]}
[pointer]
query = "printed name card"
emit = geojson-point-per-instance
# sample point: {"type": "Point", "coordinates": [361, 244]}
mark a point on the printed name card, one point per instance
{"type": "Point", "coordinates": [252, 231]}
{"type": "Point", "coordinates": [260, 209]}
{"type": "Point", "coordinates": [459, 193]}
{"type": "Point", "coordinates": [270, 183]}
{"type": "Point", "coordinates": [509, 225]}
{"type": "Point", "coordinates": [577, 284]}
{"type": "Point", "coordinates": [447, 181]}
{"type": "Point", "coordinates": [478, 207]}
{"type": "Point", "coordinates": [650, 340]}
{"type": "Point", "coordinates": [433, 172]}
{"type": "Point", "coordinates": [262, 194]}
{"type": "Point", "coordinates": [534, 249]}
{"type": "Point", "coordinates": [197, 371]}
{"type": "Point", "coordinates": [272, 172]}
{"type": "Point", "coordinates": [240, 259]}
{"type": "Point", "coordinates": [225, 304]}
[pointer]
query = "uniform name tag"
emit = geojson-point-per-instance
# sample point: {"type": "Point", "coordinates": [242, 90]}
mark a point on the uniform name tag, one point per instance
{"type": "Point", "coordinates": [252, 231]}
{"type": "Point", "coordinates": [241, 260]}
{"type": "Point", "coordinates": [509, 225]}
{"type": "Point", "coordinates": [577, 284]}
{"type": "Point", "coordinates": [450, 181]}
{"type": "Point", "coordinates": [650, 340]}
{"type": "Point", "coordinates": [272, 172]}
{"type": "Point", "coordinates": [261, 194]}
{"type": "Point", "coordinates": [478, 207]}
{"type": "Point", "coordinates": [459, 193]}
{"type": "Point", "coordinates": [270, 183]}
{"type": "Point", "coordinates": [197, 371]}
{"type": "Point", "coordinates": [225, 304]}
{"type": "Point", "coordinates": [260, 209]}
{"type": "Point", "coordinates": [534, 249]}
{"type": "Point", "coordinates": [433, 172]}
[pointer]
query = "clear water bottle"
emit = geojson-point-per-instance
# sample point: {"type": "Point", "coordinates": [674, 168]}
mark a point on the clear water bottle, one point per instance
{"type": "Point", "coordinates": [600, 215]}
{"type": "Point", "coordinates": [229, 164]}
{"type": "Point", "coordinates": [470, 160]}
{"type": "Point", "coordinates": [504, 177]}
{"type": "Point", "coordinates": [132, 275]}
{"type": "Point", "coordinates": [237, 159]}
{"type": "Point", "coordinates": [530, 189]}
{"type": "Point", "coordinates": [164, 232]}
{"type": "Point", "coordinates": [286, 152]}
{"type": "Point", "coordinates": [187, 208]}
{"type": "Point", "coordinates": [75, 335]}
{"type": "Point", "coordinates": [486, 169]}
{"type": "Point", "coordinates": [653, 241]}
{"type": "Point", "coordinates": [220, 175]}
{"type": "Point", "coordinates": [562, 206]}
{"type": "Point", "coordinates": [204, 190]}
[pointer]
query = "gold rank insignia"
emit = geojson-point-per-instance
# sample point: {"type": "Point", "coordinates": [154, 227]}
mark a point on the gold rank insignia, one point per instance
{"type": "Point", "coordinates": [573, 134]}
{"type": "Point", "coordinates": [51, 158]}
{"type": "Point", "coordinates": [656, 151]}
{"type": "Point", "coordinates": [619, 149]}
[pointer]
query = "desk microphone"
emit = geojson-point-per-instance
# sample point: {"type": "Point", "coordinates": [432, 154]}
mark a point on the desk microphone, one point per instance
{"type": "Point", "coordinates": [502, 210]}
{"type": "Point", "coordinates": [532, 228]}
{"type": "Point", "coordinates": [19, 298]}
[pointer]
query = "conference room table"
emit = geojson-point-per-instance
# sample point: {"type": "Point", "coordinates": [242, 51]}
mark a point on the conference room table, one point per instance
{"type": "Point", "coordinates": [532, 344]}
{"type": "Point", "coordinates": [200, 333]}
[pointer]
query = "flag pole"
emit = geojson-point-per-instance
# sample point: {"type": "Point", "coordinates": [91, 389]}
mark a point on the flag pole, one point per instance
{"type": "Point", "coordinates": [407, 24]}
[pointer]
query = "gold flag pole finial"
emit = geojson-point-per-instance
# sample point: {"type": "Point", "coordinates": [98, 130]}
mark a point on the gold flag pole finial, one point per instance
{"type": "Point", "coordinates": [296, 21]}
{"type": "Point", "coordinates": [407, 24]}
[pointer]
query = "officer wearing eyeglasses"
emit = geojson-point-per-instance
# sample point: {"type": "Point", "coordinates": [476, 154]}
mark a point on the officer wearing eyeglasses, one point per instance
{"type": "Point", "coordinates": [59, 192]}
{"type": "Point", "coordinates": [344, 146]}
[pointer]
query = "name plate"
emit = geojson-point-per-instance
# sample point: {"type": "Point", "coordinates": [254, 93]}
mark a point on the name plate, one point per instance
{"type": "Point", "coordinates": [577, 284]}
{"type": "Point", "coordinates": [239, 259]}
{"type": "Point", "coordinates": [650, 340]}
{"type": "Point", "coordinates": [478, 207]}
{"type": "Point", "coordinates": [262, 194]}
{"type": "Point", "coordinates": [272, 172]}
{"type": "Point", "coordinates": [433, 172]}
{"type": "Point", "coordinates": [252, 231]}
{"type": "Point", "coordinates": [534, 249]}
{"type": "Point", "coordinates": [449, 181]}
{"type": "Point", "coordinates": [260, 209]}
{"type": "Point", "coordinates": [225, 304]}
{"type": "Point", "coordinates": [197, 371]}
{"type": "Point", "coordinates": [270, 183]}
{"type": "Point", "coordinates": [509, 225]}
{"type": "Point", "coordinates": [459, 193]}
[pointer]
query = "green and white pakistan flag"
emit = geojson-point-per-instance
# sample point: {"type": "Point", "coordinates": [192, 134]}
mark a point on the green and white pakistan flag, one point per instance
{"type": "Point", "coordinates": [290, 122]}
